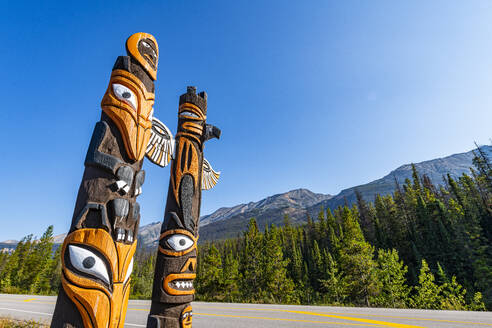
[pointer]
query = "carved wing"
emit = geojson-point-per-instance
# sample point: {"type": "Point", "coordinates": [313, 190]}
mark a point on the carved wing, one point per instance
{"type": "Point", "coordinates": [161, 144]}
{"type": "Point", "coordinates": [209, 176]}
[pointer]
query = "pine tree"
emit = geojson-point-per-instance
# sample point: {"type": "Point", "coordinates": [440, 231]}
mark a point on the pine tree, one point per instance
{"type": "Point", "coordinates": [391, 274]}
{"type": "Point", "coordinates": [54, 272]}
{"type": "Point", "coordinates": [356, 261]}
{"type": "Point", "coordinates": [477, 303]}
{"type": "Point", "coordinates": [276, 285]}
{"type": "Point", "coordinates": [230, 278]}
{"type": "Point", "coordinates": [250, 265]}
{"type": "Point", "coordinates": [316, 265]}
{"type": "Point", "coordinates": [334, 285]}
{"type": "Point", "coordinates": [41, 263]}
{"type": "Point", "coordinates": [211, 284]}
{"type": "Point", "coordinates": [428, 294]}
{"type": "Point", "coordinates": [142, 275]}
{"type": "Point", "coordinates": [367, 217]}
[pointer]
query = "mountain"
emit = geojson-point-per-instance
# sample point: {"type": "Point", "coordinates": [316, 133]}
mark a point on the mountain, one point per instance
{"type": "Point", "coordinates": [435, 169]}
{"type": "Point", "coordinates": [148, 235]}
{"type": "Point", "coordinates": [295, 199]}
{"type": "Point", "coordinates": [230, 221]}
{"type": "Point", "coordinates": [8, 245]}
{"type": "Point", "coordinates": [10, 241]}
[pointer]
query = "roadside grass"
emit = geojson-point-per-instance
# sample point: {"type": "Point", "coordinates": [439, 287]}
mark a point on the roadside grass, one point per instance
{"type": "Point", "coordinates": [13, 323]}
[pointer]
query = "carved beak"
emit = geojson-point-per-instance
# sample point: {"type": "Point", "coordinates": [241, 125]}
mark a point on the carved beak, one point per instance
{"type": "Point", "coordinates": [211, 131]}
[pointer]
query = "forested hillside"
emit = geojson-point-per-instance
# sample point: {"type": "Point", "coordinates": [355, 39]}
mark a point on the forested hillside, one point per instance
{"type": "Point", "coordinates": [232, 221]}
{"type": "Point", "coordinates": [419, 247]}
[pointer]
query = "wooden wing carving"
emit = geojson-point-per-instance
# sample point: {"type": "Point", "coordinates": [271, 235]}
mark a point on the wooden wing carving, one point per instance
{"type": "Point", "coordinates": [161, 144]}
{"type": "Point", "coordinates": [209, 176]}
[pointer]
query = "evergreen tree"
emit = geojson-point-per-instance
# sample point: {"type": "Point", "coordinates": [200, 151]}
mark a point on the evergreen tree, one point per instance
{"type": "Point", "coordinates": [391, 274]}
{"type": "Point", "coordinates": [40, 262]}
{"type": "Point", "coordinates": [428, 294]}
{"type": "Point", "coordinates": [142, 275]}
{"type": "Point", "coordinates": [356, 261]}
{"type": "Point", "coordinates": [334, 286]}
{"type": "Point", "coordinates": [230, 278]}
{"type": "Point", "coordinates": [477, 303]}
{"type": "Point", "coordinates": [276, 285]}
{"type": "Point", "coordinates": [210, 283]}
{"type": "Point", "coordinates": [250, 265]}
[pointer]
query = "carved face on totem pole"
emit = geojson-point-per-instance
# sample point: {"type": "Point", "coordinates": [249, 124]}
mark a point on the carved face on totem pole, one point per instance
{"type": "Point", "coordinates": [178, 240]}
{"type": "Point", "coordinates": [190, 173]}
{"type": "Point", "coordinates": [127, 101]}
{"type": "Point", "coordinates": [96, 276]}
{"type": "Point", "coordinates": [97, 255]}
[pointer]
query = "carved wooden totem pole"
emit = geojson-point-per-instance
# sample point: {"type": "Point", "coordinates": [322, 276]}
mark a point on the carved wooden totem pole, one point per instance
{"type": "Point", "coordinates": [177, 253]}
{"type": "Point", "coordinates": [97, 254]}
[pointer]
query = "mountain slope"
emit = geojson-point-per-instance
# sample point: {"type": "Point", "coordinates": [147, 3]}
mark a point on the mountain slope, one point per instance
{"type": "Point", "coordinates": [435, 169]}
{"type": "Point", "coordinates": [294, 199]}
{"type": "Point", "coordinates": [228, 222]}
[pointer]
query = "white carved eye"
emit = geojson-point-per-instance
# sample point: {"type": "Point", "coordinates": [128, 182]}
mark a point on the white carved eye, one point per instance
{"type": "Point", "coordinates": [86, 261]}
{"type": "Point", "coordinates": [125, 94]}
{"type": "Point", "coordinates": [188, 113]}
{"type": "Point", "coordinates": [146, 45]}
{"type": "Point", "coordinates": [129, 271]}
{"type": "Point", "coordinates": [179, 242]}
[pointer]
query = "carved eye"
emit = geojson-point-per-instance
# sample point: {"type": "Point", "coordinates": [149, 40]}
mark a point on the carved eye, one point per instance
{"type": "Point", "coordinates": [88, 262]}
{"type": "Point", "coordinates": [145, 44]}
{"type": "Point", "coordinates": [129, 271]}
{"type": "Point", "coordinates": [125, 94]}
{"type": "Point", "coordinates": [179, 242]}
{"type": "Point", "coordinates": [188, 113]}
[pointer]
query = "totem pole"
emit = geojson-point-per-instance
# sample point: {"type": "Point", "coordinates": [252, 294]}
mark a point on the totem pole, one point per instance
{"type": "Point", "coordinates": [97, 254]}
{"type": "Point", "coordinates": [177, 252]}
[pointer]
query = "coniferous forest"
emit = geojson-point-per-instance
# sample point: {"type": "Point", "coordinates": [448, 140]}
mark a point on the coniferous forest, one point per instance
{"type": "Point", "coordinates": [421, 247]}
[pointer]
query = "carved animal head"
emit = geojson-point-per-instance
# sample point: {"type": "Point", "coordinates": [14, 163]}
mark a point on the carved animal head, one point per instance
{"type": "Point", "coordinates": [129, 98]}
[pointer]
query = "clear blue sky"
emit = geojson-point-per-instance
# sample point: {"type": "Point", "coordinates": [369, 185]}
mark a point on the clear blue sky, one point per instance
{"type": "Point", "coordinates": [322, 95]}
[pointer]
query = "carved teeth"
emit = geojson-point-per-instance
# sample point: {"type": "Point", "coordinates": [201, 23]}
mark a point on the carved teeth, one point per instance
{"type": "Point", "coordinates": [184, 284]}
{"type": "Point", "coordinates": [122, 185]}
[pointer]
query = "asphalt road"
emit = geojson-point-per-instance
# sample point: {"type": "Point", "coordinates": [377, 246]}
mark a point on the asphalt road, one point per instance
{"type": "Point", "coordinates": [208, 315]}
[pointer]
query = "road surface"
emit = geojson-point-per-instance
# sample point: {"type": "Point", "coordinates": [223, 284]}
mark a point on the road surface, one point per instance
{"type": "Point", "coordinates": [226, 315]}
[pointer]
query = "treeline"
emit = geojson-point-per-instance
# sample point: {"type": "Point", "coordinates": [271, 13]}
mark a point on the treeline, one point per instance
{"type": "Point", "coordinates": [421, 247]}
{"type": "Point", "coordinates": [32, 268]}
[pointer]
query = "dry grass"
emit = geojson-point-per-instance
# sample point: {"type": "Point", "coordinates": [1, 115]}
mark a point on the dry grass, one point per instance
{"type": "Point", "coordinates": [13, 323]}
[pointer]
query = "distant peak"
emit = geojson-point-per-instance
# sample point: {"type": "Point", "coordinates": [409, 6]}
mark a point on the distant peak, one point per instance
{"type": "Point", "coordinates": [10, 241]}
